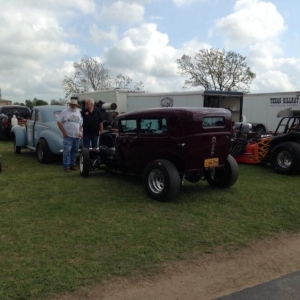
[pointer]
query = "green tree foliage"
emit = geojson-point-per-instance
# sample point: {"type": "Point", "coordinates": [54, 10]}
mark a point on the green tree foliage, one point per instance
{"type": "Point", "coordinates": [215, 69]}
{"type": "Point", "coordinates": [35, 102]}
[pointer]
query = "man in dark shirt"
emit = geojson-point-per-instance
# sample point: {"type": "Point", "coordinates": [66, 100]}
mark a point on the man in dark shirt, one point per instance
{"type": "Point", "coordinates": [92, 124]}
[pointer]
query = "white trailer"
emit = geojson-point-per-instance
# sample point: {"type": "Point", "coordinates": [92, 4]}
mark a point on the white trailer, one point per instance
{"type": "Point", "coordinates": [118, 96]}
{"type": "Point", "coordinates": [265, 107]}
{"type": "Point", "coordinates": [229, 100]}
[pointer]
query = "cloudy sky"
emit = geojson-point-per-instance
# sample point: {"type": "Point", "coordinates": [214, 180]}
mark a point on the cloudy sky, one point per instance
{"type": "Point", "coordinates": [40, 40]}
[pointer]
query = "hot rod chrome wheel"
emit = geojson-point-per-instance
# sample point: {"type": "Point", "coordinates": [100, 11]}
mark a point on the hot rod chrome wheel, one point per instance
{"type": "Point", "coordinates": [161, 180]}
{"type": "Point", "coordinates": [156, 181]}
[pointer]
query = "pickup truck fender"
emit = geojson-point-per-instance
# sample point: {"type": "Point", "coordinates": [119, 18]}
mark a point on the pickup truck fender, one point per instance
{"type": "Point", "coordinates": [54, 140]}
{"type": "Point", "coordinates": [20, 135]}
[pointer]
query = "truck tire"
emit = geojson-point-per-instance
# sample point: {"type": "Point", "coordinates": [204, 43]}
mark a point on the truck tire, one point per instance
{"type": "Point", "coordinates": [161, 180]}
{"type": "Point", "coordinates": [260, 129]}
{"type": "Point", "coordinates": [84, 162]}
{"type": "Point", "coordinates": [285, 158]}
{"type": "Point", "coordinates": [43, 153]}
{"type": "Point", "coordinates": [224, 177]}
{"type": "Point", "coordinates": [17, 149]}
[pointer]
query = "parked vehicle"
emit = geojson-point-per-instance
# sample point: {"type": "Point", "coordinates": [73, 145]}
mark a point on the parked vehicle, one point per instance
{"type": "Point", "coordinates": [41, 133]}
{"type": "Point", "coordinates": [166, 146]}
{"type": "Point", "coordinates": [117, 96]}
{"type": "Point", "coordinates": [233, 101]}
{"type": "Point", "coordinates": [265, 107]}
{"type": "Point", "coordinates": [281, 149]}
{"type": "Point", "coordinates": [22, 113]}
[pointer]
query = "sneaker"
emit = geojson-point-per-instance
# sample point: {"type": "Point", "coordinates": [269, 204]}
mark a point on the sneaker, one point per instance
{"type": "Point", "coordinates": [73, 168]}
{"type": "Point", "coordinates": [67, 170]}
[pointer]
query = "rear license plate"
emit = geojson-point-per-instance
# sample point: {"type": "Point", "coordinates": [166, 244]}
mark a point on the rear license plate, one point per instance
{"type": "Point", "coordinates": [211, 162]}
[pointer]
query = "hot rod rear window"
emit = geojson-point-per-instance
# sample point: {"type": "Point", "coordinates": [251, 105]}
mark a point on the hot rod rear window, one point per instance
{"type": "Point", "coordinates": [213, 122]}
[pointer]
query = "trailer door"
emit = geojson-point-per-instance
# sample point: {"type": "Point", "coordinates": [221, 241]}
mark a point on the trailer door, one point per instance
{"type": "Point", "coordinates": [232, 101]}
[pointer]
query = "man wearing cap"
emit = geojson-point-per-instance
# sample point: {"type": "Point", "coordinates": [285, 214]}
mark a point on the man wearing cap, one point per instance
{"type": "Point", "coordinates": [70, 124]}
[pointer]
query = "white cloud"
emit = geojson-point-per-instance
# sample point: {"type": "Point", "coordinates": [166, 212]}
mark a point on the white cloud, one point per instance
{"type": "Point", "coordinates": [122, 11]}
{"type": "Point", "coordinates": [144, 49]}
{"type": "Point", "coordinates": [183, 2]}
{"type": "Point", "coordinates": [98, 35]}
{"type": "Point", "coordinates": [251, 21]}
{"type": "Point", "coordinates": [82, 6]}
{"type": "Point", "coordinates": [272, 81]}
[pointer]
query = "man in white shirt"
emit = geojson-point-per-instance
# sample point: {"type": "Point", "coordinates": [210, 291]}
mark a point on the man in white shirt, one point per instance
{"type": "Point", "coordinates": [70, 124]}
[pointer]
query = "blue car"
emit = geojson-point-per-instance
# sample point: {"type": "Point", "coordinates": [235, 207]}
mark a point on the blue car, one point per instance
{"type": "Point", "coordinates": [41, 133]}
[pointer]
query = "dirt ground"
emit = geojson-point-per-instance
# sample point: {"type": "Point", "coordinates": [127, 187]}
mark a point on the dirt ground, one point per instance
{"type": "Point", "coordinates": [208, 277]}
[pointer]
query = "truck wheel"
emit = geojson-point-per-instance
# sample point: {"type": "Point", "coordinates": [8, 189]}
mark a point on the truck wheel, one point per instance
{"type": "Point", "coordinates": [285, 158]}
{"type": "Point", "coordinates": [43, 152]}
{"type": "Point", "coordinates": [226, 176]}
{"type": "Point", "coordinates": [260, 129]}
{"type": "Point", "coordinates": [17, 149]}
{"type": "Point", "coordinates": [84, 162]}
{"type": "Point", "coordinates": [161, 180]}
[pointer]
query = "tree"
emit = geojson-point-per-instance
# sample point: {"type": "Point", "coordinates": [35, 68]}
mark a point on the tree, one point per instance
{"type": "Point", "coordinates": [91, 75]}
{"type": "Point", "coordinates": [139, 86]}
{"type": "Point", "coordinates": [35, 102]}
{"type": "Point", "coordinates": [19, 103]}
{"type": "Point", "coordinates": [214, 69]}
{"type": "Point", "coordinates": [122, 81]}
{"type": "Point", "coordinates": [29, 104]}
{"type": "Point", "coordinates": [60, 101]}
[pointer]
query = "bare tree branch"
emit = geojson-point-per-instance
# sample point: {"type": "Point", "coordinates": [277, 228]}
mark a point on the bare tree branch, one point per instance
{"type": "Point", "coordinates": [215, 69]}
{"type": "Point", "coordinates": [91, 75]}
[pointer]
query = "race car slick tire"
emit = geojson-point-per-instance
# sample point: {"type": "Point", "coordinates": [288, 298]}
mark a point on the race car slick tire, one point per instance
{"type": "Point", "coordinates": [285, 158]}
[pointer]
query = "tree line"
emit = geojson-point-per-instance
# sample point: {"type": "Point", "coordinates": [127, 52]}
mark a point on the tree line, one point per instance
{"type": "Point", "coordinates": [210, 69]}
{"type": "Point", "coordinates": [38, 102]}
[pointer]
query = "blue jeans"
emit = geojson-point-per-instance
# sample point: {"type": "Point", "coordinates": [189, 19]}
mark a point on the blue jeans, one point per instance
{"type": "Point", "coordinates": [71, 146]}
{"type": "Point", "coordinates": [90, 139]}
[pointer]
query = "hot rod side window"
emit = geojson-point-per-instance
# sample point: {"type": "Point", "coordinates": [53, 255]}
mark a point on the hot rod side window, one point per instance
{"type": "Point", "coordinates": [213, 122]}
{"type": "Point", "coordinates": [128, 126]}
{"type": "Point", "coordinates": [154, 125]}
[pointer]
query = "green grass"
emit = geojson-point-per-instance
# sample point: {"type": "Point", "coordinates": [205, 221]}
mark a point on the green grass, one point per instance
{"type": "Point", "coordinates": [59, 231]}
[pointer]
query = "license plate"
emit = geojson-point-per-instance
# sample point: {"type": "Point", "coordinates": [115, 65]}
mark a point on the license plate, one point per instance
{"type": "Point", "coordinates": [211, 162]}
